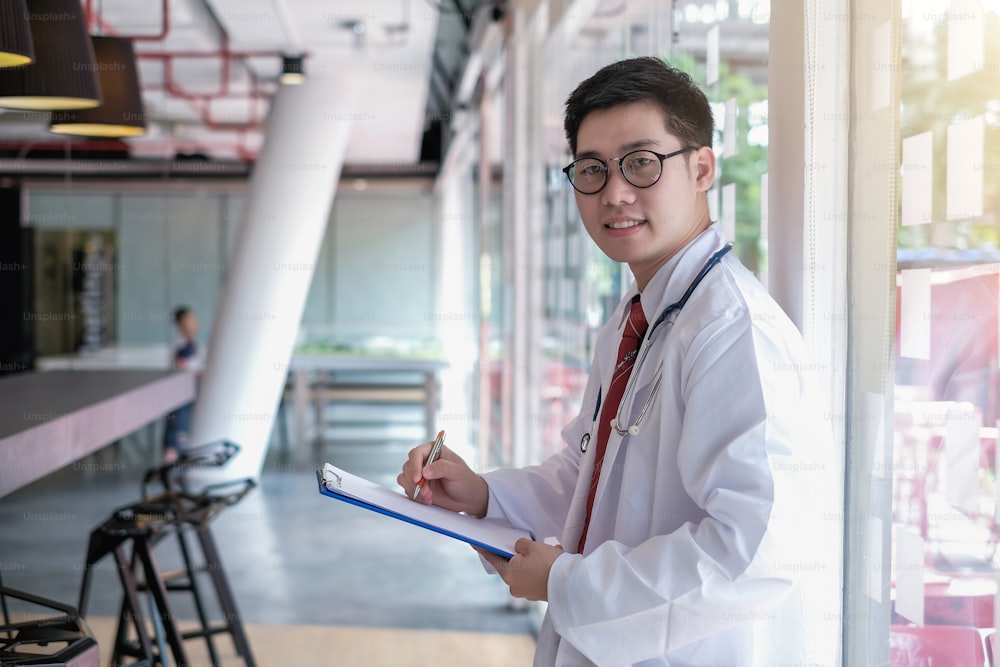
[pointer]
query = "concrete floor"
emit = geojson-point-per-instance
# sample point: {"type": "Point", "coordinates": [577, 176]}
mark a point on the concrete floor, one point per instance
{"type": "Point", "coordinates": [292, 555]}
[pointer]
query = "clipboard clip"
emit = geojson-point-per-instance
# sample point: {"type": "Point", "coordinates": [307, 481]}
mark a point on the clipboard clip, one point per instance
{"type": "Point", "coordinates": [332, 480]}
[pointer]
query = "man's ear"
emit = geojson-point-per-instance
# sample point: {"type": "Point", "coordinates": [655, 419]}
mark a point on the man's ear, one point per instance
{"type": "Point", "coordinates": [704, 168]}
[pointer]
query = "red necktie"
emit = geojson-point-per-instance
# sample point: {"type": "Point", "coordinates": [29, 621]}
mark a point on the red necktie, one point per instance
{"type": "Point", "coordinates": [635, 329]}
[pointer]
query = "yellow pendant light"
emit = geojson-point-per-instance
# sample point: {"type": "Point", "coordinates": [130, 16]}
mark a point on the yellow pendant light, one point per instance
{"type": "Point", "coordinates": [121, 114]}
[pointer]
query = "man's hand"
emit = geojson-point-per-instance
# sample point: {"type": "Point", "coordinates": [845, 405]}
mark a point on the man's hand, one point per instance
{"type": "Point", "coordinates": [527, 573]}
{"type": "Point", "coordinates": [448, 482]}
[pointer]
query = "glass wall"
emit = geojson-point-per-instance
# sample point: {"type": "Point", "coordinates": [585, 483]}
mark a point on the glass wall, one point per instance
{"type": "Point", "coordinates": [944, 564]}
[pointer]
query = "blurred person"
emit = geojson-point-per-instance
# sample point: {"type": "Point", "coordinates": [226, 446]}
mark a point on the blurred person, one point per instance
{"type": "Point", "coordinates": [177, 434]}
{"type": "Point", "coordinates": [686, 519]}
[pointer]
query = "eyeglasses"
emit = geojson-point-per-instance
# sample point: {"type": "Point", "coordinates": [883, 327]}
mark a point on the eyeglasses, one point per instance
{"type": "Point", "coordinates": [642, 168]}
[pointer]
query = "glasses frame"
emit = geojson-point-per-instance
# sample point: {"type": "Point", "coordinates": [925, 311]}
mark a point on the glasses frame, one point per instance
{"type": "Point", "coordinates": [607, 167]}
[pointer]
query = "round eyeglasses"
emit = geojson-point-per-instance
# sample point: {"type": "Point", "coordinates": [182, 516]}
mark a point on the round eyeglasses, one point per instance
{"type": "Point", "coordinates": [641, 168]}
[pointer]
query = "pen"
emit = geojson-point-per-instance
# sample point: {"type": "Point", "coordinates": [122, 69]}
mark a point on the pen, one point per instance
{"type": "Point", "coordinates": [435, 451]}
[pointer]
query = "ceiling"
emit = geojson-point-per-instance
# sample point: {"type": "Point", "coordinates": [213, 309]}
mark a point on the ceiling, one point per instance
{"type": "Point", "coordinates": [209, 68]}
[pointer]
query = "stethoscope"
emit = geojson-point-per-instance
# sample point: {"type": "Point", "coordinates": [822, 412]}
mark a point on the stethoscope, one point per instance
{"type": "Point", "coordinates": [671, 310]}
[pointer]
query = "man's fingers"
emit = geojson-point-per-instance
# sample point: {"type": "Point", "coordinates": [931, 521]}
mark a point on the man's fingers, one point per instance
{"type": "Point", "coordinates": [415, 461]}
{"type": "Point", "coordinates": [498, 562]}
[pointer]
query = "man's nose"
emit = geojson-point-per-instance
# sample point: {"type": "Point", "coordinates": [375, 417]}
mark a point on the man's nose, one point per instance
{"type": "Point", "coordinates": [617, 190]}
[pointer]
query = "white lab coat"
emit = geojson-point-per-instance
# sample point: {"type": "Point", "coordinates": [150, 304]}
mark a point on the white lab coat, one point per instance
{"type": "Point", "coordinates": [716, 529]}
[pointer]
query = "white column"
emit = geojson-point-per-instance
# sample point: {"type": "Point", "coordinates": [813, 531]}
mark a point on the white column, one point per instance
{"type": "Point", "coordinates": [290, 195]}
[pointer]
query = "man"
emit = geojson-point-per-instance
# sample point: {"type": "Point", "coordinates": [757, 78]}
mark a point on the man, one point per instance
{"type": "Point", "coordinates": [177, 433]}
{"type": "Point", "coordinates": [687, 501]}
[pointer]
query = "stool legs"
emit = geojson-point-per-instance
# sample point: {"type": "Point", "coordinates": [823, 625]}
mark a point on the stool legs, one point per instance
{"type": "Point", "coordinates": [234, 623]}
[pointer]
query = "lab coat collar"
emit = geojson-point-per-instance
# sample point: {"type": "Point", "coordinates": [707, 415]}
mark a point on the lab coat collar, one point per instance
{"type": "Point", "coordinates": [669, 283]}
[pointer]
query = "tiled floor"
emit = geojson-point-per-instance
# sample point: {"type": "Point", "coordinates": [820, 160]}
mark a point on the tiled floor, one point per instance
{"type": "Point", "coordinates": [293, 557]}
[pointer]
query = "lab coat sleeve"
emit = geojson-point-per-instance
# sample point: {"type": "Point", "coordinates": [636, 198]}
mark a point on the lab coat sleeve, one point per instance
{"type": "Point", "coordinates": [623, 604]}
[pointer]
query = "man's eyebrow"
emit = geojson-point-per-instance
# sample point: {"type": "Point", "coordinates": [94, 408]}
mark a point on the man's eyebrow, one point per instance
{"type": "Point", "coordinates": [624, 148]}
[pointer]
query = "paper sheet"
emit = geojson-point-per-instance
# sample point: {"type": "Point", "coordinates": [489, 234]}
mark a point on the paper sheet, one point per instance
{"type": "Point", "coordinates": [918, 181]}
{"type": "Point", "coordinates": [908, 571]}
{"type": "Point", "coordinates": [340, 484]}
{"type": "Point", "coordinates": [915, 314]}
{"type": "Point", "coordinates": [961, 447]}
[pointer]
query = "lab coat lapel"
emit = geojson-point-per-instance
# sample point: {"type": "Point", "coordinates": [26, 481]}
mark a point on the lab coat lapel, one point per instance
{"type": "Point", "coordinates": [665, 288]}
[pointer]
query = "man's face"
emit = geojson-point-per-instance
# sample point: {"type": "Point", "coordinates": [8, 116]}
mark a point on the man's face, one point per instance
{"type": "Point", "coordinates": [643, 226]}
{"type": "Point", "coordinates": [188, 325]}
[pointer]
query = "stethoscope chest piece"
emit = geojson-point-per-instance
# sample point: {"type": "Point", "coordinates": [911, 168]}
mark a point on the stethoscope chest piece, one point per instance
{"type": "Point", "coordinates": [584, 442]}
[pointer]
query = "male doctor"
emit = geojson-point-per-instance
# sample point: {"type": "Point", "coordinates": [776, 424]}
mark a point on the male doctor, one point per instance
{"type": "Point", "coordinates": [690, 500]}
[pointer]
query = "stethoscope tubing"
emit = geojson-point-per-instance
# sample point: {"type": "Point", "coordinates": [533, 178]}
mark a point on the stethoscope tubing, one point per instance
{"type": "Point", "coordinates": [672, 309]}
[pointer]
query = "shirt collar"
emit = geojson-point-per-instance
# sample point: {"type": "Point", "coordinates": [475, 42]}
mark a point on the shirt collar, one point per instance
{"type": "Point", "coordinates": [671, 280]}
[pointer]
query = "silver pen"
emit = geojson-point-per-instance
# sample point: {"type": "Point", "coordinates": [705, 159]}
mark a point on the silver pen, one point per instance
{"type": "Point", "coordinates": [435, 452]}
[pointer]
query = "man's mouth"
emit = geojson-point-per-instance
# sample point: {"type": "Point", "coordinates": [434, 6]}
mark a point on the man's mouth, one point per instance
{"type": "Point", "coordinates": [623, 224]}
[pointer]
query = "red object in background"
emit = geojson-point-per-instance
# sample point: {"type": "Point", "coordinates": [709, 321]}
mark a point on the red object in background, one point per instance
{"type": "Point", "coordinates": [963, 351]}
{"type": "Point", "coordinates": [935, 646]}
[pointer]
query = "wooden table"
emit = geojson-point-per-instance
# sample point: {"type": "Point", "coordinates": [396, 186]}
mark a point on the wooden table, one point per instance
{"type": "Point", "coordinates": [51, 419]}
{"type": "Point", "coordinates": [315, 378]}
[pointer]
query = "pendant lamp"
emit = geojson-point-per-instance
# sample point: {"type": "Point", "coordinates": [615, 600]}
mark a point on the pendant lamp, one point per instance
{"type": "Point", "coordinates": [15, 34]}
{"type": "Point", "coordinates": [121, 114]}
{"type": "Point", "coordinates": [292, 69]}
{"type": "Point", "coordinates": [63, 75]}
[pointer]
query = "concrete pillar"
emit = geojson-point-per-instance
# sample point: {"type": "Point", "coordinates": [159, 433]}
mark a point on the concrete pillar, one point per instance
{"type": "Point", "coordinates": [268, 278]}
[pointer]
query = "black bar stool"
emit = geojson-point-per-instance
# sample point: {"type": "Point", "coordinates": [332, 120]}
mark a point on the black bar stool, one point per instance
{"type": "Point", "coordinates": [60, 640]}
{"type": "Point", "coordinates": [173, 512]}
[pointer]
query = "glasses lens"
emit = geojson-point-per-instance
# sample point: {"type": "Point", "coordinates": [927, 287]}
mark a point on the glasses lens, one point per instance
{"type": "Point", "coordinates": [641, 168]}
{"type": "Point", "coordinates": [588, 175]}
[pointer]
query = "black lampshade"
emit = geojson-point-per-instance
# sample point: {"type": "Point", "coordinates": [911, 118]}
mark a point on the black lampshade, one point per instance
{"type": "Point", "coordinates": [121, 114]}
{"type": "Point", "coordinates": [15, 34]}
{"type": "Point", "coordinates": [64, 74]}
{"type": "Point", "coordinates": [292, 69]}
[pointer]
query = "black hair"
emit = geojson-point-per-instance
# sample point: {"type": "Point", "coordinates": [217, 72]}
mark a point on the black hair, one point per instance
{"type": "Point", "coordinates": [179, 313]}
{"type": "Point", "coordinates": [687, 112]}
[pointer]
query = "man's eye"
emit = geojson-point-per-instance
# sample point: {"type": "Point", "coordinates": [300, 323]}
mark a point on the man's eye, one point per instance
{"type": "Point", "coordinates": [591, 170]}
{"type": "Point", "coordinates": [640, 162]}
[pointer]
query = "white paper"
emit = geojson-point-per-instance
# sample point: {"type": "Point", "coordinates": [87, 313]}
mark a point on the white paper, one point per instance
{"type": "Point", "coordinates": [965, 37]}
{"type": "Point", "coordinates": [965, 169]}
{"type": "Point", "coordinates": [467, 528]}
{"type": "Point", "coordinates": [729, 130]}
{"type": "Point", "coordinates": [908, 571]}
{"type": "Point", "coordinates": [873, 433]}
{"type": "Point", "coordinates": [961, 448]}
{"type": "Point", "coordinates": [876, 566]}
{"type": "Point", "coordinates": [729, 211]}
{"type": "Point", "coordinates": [881, 67]}
{"type": "Point", "coordinates": [918, 184]}
{"type": "Point", "coordinates": [915, 314]}
{"type": "Point", "coordinates": [712, 56]}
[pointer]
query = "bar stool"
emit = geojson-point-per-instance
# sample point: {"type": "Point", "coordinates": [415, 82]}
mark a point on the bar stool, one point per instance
{"type": "Point", "coordinates": [61, 640]}
{"type": "Point", "coordinates": [173, 512]}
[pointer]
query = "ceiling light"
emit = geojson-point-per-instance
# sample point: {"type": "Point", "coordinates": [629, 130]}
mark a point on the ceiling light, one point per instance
{"type": "Point", "coordinates": [63, 75]}
{"type": "Point", "coordinates": [121, 114]}
{"type": "Point", "coordinates": [15, 34]}
{"type": "Point", "coordinates": [292, 69]}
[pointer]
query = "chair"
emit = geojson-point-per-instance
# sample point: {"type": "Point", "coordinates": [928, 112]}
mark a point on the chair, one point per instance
{"type": "Point", "coordinates": [172, 512]}
{"type": "Point", "coordinates": [936, 646]}
{"type": "Point", "coordinates": [59, 640]}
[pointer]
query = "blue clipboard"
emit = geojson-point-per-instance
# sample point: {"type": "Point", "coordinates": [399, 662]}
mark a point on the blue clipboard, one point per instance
{"type": "Point", "coordinates": [481, 533]}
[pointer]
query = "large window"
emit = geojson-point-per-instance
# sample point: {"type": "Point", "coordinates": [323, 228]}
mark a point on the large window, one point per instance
{"type": "Point", "coordinates": [943, 580]}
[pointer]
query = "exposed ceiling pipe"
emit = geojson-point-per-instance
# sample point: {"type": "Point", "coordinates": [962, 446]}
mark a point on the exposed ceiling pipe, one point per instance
{"type": "Point", "coordinates": [201, 102]}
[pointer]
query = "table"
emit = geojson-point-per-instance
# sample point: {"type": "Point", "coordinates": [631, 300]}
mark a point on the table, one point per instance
{"type": "Point", "coordinates": [51, 419]}
{"type": "Point", "coordinates": [304, 367]}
